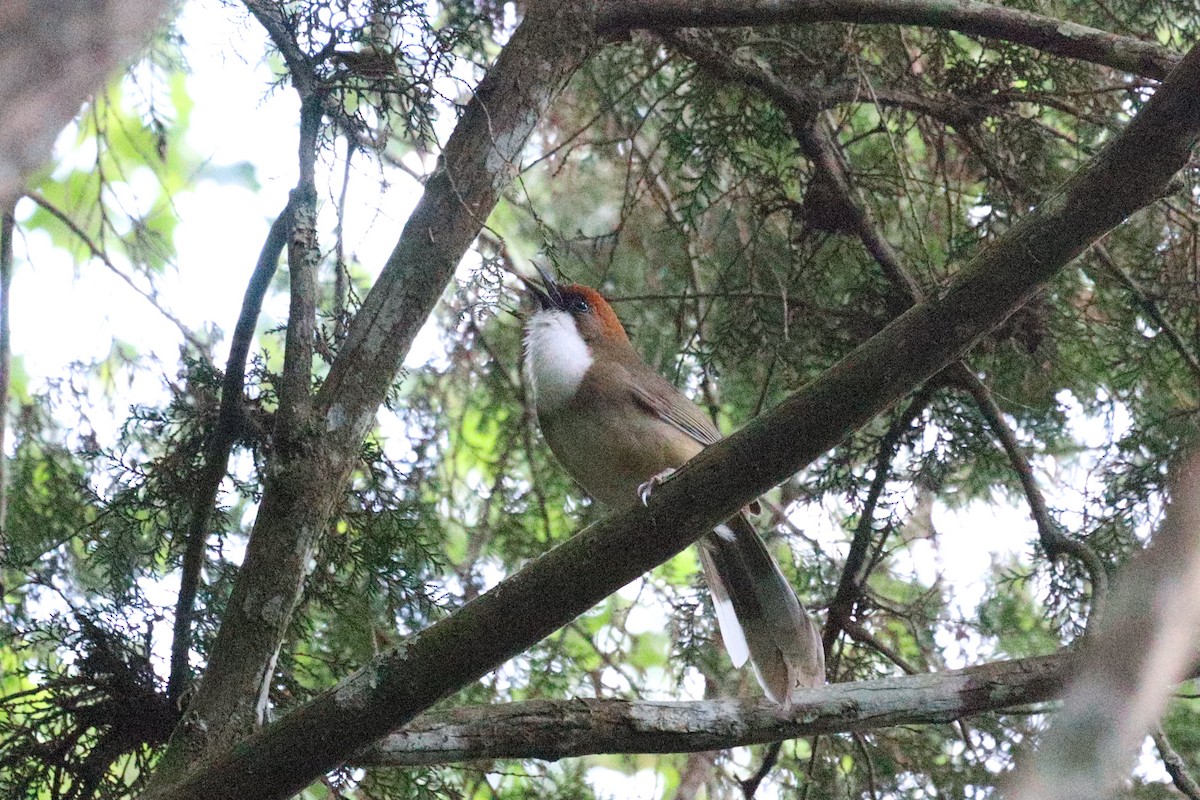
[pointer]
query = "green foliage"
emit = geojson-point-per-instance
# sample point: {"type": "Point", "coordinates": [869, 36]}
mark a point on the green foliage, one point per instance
{"type": "Point", "coordinates": [687, 198]}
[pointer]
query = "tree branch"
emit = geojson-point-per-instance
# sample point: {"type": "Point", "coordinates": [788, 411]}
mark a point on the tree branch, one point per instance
{"type": "Point", "coordinates": [98, 252]}
{"type": "Point", "coordinates": [1130, 663]}
{"type": "Point", "coordinates": [863, 636]}
{"type": "Point", "coordinates": [273, 17]}
{"type": "Point", "coordinates": [479, 161]}
{"type": "Point", "coordinates": [554, 729]}
{"type": "Point", "coordinates": [1176, 767]}
{"type": "Point", "coordinates": [854, 573]}
{"type": "Point", "coordinates": [1132, 171]}
{"type": "Point", "coordinates": [749, 785]}
{"type": "Point", "coordinates": [242, 663]}
{"type": "Point", "coordinates": [218, 447]}
{"type": "Point", "coordinates": [817, 144]}
{"type": "Point", "coordinates": [1053, 540]}
{"type": "Point", "coordinates": [803, 114]}
{"type": "Point", "coordinates": [1055, 36]}
{"type": "Point", "coordinates": [1151, 308]}
{"type": "Point", "coordinates": [293, 420]}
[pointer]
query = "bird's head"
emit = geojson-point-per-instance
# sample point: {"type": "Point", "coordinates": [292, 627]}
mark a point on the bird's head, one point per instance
{"type": "Point", "coordinates": [570, 328]}
{"type": "Point", "coordinates": [593, 318]}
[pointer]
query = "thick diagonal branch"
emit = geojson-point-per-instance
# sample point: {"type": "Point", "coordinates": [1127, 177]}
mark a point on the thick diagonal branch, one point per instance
{"type": "Point", "coordinates": [552, 590]}
{"type": "Point", "coordinates": [1050, 35]}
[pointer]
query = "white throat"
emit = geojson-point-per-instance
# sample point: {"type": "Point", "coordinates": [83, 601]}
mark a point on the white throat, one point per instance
{"type": "Point", "coordinates": [556, 358]}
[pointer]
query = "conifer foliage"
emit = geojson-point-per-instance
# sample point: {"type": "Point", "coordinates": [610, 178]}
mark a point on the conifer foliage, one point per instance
{"type": "Point", "coordinates": [941, 263]}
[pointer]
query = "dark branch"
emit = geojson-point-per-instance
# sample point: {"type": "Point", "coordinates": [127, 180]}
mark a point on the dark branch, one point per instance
{"type": "Point", "coordinates": [863, 636]}
{"type": "Point", "coordinates": [243, 658]}
{"type": "Point", "coordinates": [750, 785]}
{"type": "Point", "coordinates": [479, 161]}
{"type": "Point", "coordinates": [854, 573]}
{"type": "Point", "coordinates": [1054, 541]}
{"type": "Point", "coordinates": [272, 16]}
{"type": "Point", "coordinates": [1055, 36]}
{"type": "Point", "coordinates": [218, 447]}
{"type": "Point", "coordinates": [294, 419]}
{"type": "Point", "coordinates": [803, 112]}
{"type": "Point", "coordinates": [829, 164]}
{"type": "Point", "coordinates": [1176, 767]}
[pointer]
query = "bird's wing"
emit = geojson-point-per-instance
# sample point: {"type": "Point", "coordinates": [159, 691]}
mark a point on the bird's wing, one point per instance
{"type": "Point", "coordinates": [653, 395]}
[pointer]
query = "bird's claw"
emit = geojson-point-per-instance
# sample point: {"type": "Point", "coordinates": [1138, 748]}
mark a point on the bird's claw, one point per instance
{"type": "Point", "coordinates": [649, 486]}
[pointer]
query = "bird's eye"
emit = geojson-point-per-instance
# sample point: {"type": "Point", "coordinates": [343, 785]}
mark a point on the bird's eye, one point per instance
{"type": "Point", "coordinates": [579, 305]}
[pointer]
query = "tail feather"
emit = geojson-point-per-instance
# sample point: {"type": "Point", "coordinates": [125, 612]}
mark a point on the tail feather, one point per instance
{"type": "Point", "coordinates": [727, 620]}
{"type": "Point", "coordinates": [759, 613]}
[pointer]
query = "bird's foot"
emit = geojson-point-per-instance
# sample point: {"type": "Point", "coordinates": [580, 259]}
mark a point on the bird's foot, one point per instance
{"type": "Point", "coordinates": [649, 486]}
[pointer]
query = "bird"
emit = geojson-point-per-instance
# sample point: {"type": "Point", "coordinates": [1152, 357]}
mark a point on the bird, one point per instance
{"type": "Point", "coordinates": [618, 427]}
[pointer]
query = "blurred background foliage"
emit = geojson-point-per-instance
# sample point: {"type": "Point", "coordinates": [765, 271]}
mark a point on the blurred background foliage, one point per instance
{"type": "Point", "coordinates": [684, 196]}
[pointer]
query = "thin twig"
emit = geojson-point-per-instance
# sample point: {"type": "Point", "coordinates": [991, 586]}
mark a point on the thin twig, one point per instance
{"type": "Point", "coordinates": [219, 446]}
{"type": "Point", "coordinates": [817, 144]}
{"type": "Point", "coordinates": [1177, 768]}
{"type": "Point", "coordinates": [861, 741]}
{"type": "Point", "coordinates": [1146, 302]}
{"type": "Point", "coordinates": [854, 573]}
{"type": "Point", "coordinates": [1053, 540]}
{"type": "Point", "coordinates": [863, 636]}
{"type": "Point", "coordinates": [99, 253]}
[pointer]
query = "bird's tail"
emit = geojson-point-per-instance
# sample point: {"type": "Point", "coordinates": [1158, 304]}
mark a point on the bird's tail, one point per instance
{"type": "Point", "coordinates": [759, 613]}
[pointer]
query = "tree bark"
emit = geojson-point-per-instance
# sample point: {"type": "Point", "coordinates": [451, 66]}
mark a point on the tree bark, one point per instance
{"type": "Point", "coordinates": [1050, 35]}
{"type": "Point", "coordinates": [7, 224]}
{"type": "Point", "coordinates": [479, 162]}
{"type": "Point", "coordinates": [217, 449]}
{"type": "Point", "coordinates": [554, 729]}
{"type": "Point", "coordinates": [1130, 173]}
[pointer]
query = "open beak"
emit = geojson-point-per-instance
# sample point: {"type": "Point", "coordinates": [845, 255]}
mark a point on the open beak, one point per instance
{"type": "Point", "coordinates": [546, 294]}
